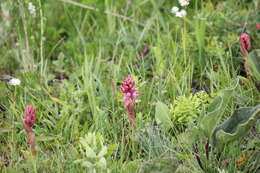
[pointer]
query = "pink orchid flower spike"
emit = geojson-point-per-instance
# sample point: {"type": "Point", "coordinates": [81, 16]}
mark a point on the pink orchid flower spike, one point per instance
{"type": "Point", "coordinates": [130, 94]}
{"type": "Point", "coordinates": [257, 26]}
{"type": "Point", "coordinates": [245, 46]}
{"type": "Point", "coordinates": [245, 43]}
{"type": "Point", "coordinates": [29, 120]}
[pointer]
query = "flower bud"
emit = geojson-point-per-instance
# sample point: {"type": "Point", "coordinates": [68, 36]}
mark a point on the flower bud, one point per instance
{"type": "Point", "coordinates": [245, 43]}
{"type": "Point", "coordinates": [29, 117]}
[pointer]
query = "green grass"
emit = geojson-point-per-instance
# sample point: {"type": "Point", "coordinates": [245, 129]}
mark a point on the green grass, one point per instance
{"type": "Point", "coordinates": [90, 53]}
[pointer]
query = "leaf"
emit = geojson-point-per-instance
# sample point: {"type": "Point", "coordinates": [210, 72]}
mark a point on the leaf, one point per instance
{"type": "Point", "coordinates": [191, 136]}
{"type": "Point", "coordinates": [236, 126]}
{"type": "Point", "coordinates": [162, 116]}
{"type": "Point", "coordinates": [59, 101]}
{"type": "Point", "coordinates": [90, 153]}
{"type": "Point", "coordinates": [78, 161]}
{"type": "Point", "coordinates": [102, 163]}
{"type": "Point", "coordinates": [111, 149]}
{"type": "Point", "coordinates": [102, 152]}
{"type": "Point", "coordinates": [87, 164]}
{"type": "Point", "coordinates": [211, 119]}
{"type": "Point", "coordinates": [5, 130]}
{"type": "Point", "coordinates": [47, 138]}
{"type": "Point", "coordinates": [254, 64]}
{"type": "Point", "coordinates": [83, 142]}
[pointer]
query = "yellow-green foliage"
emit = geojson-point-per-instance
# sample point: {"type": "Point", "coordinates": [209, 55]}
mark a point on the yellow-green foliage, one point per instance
{"type": "Point", "coordinates": [188, 108]}
{"type": "Point", "coordinates": [95, 152]}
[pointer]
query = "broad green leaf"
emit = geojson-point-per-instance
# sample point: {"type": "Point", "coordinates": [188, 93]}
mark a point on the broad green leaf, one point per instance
{"type": "Point", "coordinates": [191, 136]}
{"type": "Point", "coordinates": [254, 64]}
{"type": "Point", "coordinates": [236, 126]}
{"type": "Point", "coordinates": [215, 111]}
{"type": "Point", "coordinates": [162, 116]}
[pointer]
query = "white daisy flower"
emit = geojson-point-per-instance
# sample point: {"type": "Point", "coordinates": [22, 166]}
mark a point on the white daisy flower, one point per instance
{"type": "Point", "coordinates": [184, 3]}
{"type": "Point", "coordinates": [181, 14]}
{"type": "Point", "coordinates": [32, 9]}
{"type": "Point", "coordinates": [14, 81]}
{"type": "Point", "coordinates": [174, 10]}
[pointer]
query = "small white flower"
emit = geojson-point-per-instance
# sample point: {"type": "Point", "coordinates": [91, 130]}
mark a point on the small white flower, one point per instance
{"type": "Point", "coordinates": [181, 13]}
{"type": "Point", "coordinates": [174, 10]}
{"type": "Point", "coordinates": [14, 81]}
{"type": "Point", "coordinates": [184, 3]}
{"type": "Point", "coordinates": [32, 9]}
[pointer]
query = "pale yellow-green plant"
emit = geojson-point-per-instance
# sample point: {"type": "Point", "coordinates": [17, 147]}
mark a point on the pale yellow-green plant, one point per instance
{"type": "Point", "coordinates": [96, 153]}
{"type": "Point", "coordinates": [188, 108]}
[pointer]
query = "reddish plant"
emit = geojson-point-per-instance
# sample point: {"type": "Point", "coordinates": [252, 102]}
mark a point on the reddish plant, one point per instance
{"type": "Point", "coordinates": [245, 46]}
{"type": "Point", "coordinates": [130, 94]}
{"type": "Point", "coordinates": [245, 43]}
{"type": "Point", "coordinates": [257, 26]}
{"type": "Point", "coordinates": [28, 121]}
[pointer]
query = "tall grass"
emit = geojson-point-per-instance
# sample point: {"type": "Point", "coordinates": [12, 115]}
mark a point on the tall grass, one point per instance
{"type": "Point", "coordinates": [95, 50]}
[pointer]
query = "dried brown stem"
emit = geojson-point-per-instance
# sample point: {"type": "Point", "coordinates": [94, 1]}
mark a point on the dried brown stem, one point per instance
{"type": "Point", "coordinates": [196, 154]}
{"type": "Point", "coordinates": [207, 148]}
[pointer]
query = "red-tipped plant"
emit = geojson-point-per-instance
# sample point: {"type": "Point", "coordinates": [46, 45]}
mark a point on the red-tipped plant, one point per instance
{"type": "Point", "coordinates": [28, 121]}
{"type": "Point", "coordinates": [130, 94]}
{"type": "Point", "coordinates": [245, 43]}
{"type": "Point", "coordinates": [245, 46]}
{"type": "Point", "coordinates": [257, 26]}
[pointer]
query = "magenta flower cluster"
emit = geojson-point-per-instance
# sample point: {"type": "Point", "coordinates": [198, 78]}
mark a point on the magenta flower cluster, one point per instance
{"type": "Point", "coordinates": [29, 117]}
{"type": "Point", "coordinates": [129, 90]}
{"type": "Point", "coordinates": [245, 44]}
{"type": "Point", "coordinates": [29, 120]}
{"type": "Point", "coordinates": [130, 94]}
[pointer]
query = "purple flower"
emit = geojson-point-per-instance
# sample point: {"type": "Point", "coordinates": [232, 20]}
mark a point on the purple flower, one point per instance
{"type": "Point", "coordinates": [29, 120]}
{"type": "Point", "coordinates": [130, 94]}
{"type": "Point", "coordinates": [29, 117]}
{"type": "Point", "coordinates": [245, 46]}
{"type": "Point", "coordinates": [257, 26]}
{"type": "Point", "coordinates": [245, 43]}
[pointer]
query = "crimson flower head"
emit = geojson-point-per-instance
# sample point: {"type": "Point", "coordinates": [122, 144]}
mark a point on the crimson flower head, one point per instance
{"type": "Point", "coordinates": [245, 43]}
{"type": "Point", "coordinates": [28, 121]}
{"type": "Point", "coordinates": [29, 117]}
{"type": "Point", "coordinates": [128, 89]}
{"type": "Point", "coordinates": [257, 26]}
{"type": "Point", "coordinates": [130, 94]}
